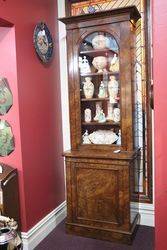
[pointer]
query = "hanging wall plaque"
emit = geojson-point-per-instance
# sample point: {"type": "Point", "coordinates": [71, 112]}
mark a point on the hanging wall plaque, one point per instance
{"type": "Point", "coordinates": [6, 98]}
{"type": "Point", "coordinates": [6, 138]}
{"type": "Point", "coordinates": [43, 42]}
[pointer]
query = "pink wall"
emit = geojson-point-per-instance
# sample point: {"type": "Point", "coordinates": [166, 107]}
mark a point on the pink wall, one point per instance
{"type": "Point", "coordinates": [8, 68]}
{"type": "Point", "coordinates": [160, 97]}
{"type": "Point", "coordinates": [36, 121]}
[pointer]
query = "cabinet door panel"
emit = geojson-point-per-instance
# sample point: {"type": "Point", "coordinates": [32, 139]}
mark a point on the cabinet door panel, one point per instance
{"type": "Point", "coordinates": [98, 190]}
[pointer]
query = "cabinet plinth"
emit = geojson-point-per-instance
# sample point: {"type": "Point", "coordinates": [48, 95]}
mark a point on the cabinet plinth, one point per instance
{"type": "Point", "coordinates": [102, 166]}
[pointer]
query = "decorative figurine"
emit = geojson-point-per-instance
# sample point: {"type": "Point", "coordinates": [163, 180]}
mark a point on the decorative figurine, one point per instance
{"type": "Point", "coordinates": [85, 138]}
{"type": "Point", "coordinates": [100, 63]}
{"type": "Point", "coordinates": [110, 116]}
{"type": "Point", "coordinates": [88, 88]}
{"type": "Point", "coordinates": [114, 64]}
{"type": "Point", "coordinates": [117, 115]}
{"type": "Point", "coordinates": [100, 42]}
{"type": "Point", "coordinates": [88, 116]}
{"type": "Point", "coordinates": [101, 117]}
{"type": "Point", "coordinates": [102, 91]}
{"type": "Point", "coordinates": [119, 138]}
{"type": "Point", "coordinates": [98, 109]}
{"type": "Point", "coordinates": [84, 65]}
{"type": "Point", "coordinates": [105, 80]}
{"type": "Point", "coordinates": [113, 89]}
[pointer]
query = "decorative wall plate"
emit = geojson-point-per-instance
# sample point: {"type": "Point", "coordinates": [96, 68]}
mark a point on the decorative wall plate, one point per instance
{"type": "Point", "coordinates": [43, 42]}
{"type": "Point", "coordinates": [6, 98]}
{"type": "Point", "coordinates": [6, 138]}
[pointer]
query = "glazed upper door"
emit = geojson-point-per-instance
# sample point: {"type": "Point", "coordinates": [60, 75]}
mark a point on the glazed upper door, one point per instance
{"type": "Point", "coordinates": [99, 84]}
{"type": "Point", "coordinates": [100, 90]}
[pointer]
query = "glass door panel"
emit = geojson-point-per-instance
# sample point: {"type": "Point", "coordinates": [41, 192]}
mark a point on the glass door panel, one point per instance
{"type": "Point", "coordinates": [100, 90]}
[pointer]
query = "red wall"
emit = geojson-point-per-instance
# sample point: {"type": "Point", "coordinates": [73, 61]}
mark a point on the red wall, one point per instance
{"type": "Point", "coordinates": [36, 114]}
{"type": "Point", "coordinates": [160, 97]}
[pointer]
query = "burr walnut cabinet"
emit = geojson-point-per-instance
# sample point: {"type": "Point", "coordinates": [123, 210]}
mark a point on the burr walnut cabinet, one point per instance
{"type": "Point", "coordinates": [102, 165]}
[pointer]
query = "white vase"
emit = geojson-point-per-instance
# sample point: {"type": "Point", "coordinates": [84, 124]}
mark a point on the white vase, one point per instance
{"type": "Point", "coordinates": [100, 42]}
{"type": "Point", "coordinates": [110, 116]}
{"type": "Point", "coordinates": [117, 115]}
{"type": "Point", "coordinates": [113, 89]}
{"type": "Point", "coordinates": [88, 115]}
{"type": "Point", "coordinates": [88, 88]}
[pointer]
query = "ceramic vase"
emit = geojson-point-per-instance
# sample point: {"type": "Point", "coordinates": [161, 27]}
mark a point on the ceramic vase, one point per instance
{"type": "Point", "coordinates": [100, 42]}
{"type": "Point", "coordinates": [88, 115]}
{"type": "Point", "coordinates": [100, 63]}
{"type": "Point", "coordinates": [113, 89]}
{"type": "Point", "coordinates": [110, 116]}
{"type": "Point", "coordinates": [117, 116]}
{"type": "Point", "coordinates": [88, 88]}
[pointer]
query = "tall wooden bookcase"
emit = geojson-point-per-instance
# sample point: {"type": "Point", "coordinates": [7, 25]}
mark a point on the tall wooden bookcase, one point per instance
{"type": "Point", "coordinates": [102, 164]}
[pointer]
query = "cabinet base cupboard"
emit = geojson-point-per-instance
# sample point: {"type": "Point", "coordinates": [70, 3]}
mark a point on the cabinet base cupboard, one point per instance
{"type": "Point", "coordinates": [102, 166]}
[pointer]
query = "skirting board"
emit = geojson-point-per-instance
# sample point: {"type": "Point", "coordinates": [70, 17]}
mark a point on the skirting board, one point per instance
{"type": "Point", "coordinates": [146, 212]}
{"type": "Point", "coordinates": [36, 234]}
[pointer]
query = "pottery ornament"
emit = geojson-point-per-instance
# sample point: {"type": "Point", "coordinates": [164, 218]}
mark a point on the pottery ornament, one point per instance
{"type": "Point", "coordinates": [100, 63]}
{"type": "Point", "coordinates": [85, 138]}
{"type": "Point", "coordinates": [100, 42]}
{"type": "Point", "coordinates": [84, 65]}
{"type": "Point", "coordinates": [88, 88]}
{"type": "Point", "coordinates": [113, 89]}
{"type": "Point", "coordinates": [88, 115]}
{"type": "Point", "coordinates": [114, 64]}
{"type": "Point", "coordinates": [103, 137]}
